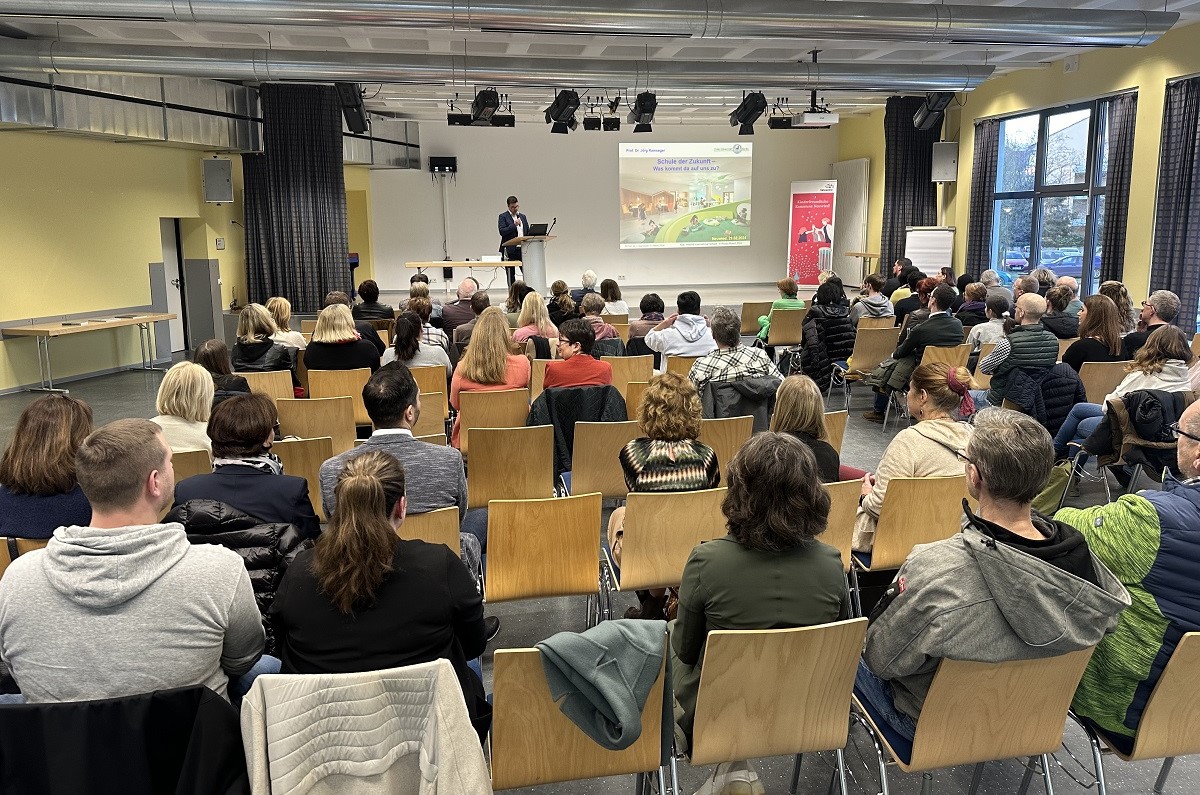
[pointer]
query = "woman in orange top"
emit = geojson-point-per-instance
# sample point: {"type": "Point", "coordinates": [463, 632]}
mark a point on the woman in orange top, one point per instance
{"type": "Point", "coordinates": [489, 364]}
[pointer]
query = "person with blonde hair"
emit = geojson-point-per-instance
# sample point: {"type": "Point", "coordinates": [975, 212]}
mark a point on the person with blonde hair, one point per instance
{"type": "Point", "coordinates": [534, 320]}
{"type": "Point", "coordinates": [281, 311]}
{"type": "Point", "coordinates": [490, 363]}
{"type": "Point", "coordinates": [184, 404]}
{"type": "Point", "coordinates": [800, 411]}
{"type": "Point", "coordinates": [255, 350]}
{"type": "Point", "coordinates": [336, 345]}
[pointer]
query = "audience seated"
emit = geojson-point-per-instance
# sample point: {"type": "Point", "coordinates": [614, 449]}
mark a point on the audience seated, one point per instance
{"type": "Point", "coordinates": [927, 449]}
{"type": "Point", "coordinates": [973, 310]}
{"type": "Point", "coordinates": [38, 489]}
{"type": "Point", "coordinates": [126, 605]}
{"type": "Point", "coordinates": [1149, 541]}
{"type": "Point", "coordinates": [996, 306]}
{"type": "Point", "coordinates": [1162, 364]}
{"type": "Point", "coordinates": [370, 308]}
{"type": "Point", "coordinates": [578, 367]}
{"type": "Point", "coordinates": [422, 308]}
{"type": "Point", "coordinates": [684, 333]}
{"type": "Point", "coordinates": [991, 280]}
{"type": "Point", "coordinates": [610, 291]}
{"type": "Point", "coordinates": [1125, 309]}
{"type": "Point", "coordinates": [828, 333]}
{"type": "Point", "coordinates": [1013, 585]}
{"type": "Point", "coordinates": [1024, 284]}
{"type": "Point", "coordinates": [534, 320]}
{"type": "Point", "coordinates": [561, 305]}
{"type": "Point", "coordinates": [213, 355]}
{"type": "Point", "coordinates": [731, 361]}
{"type": "Point", "coordinates": [588, 280]}
{"type": "Point", "coordinates": [1057, 320]}
{"type": "Point", "coordinates": [184, 402]}
{"type": "Point", "coordinates": [337, 345]}
{"type": "Point", "coordinates": [246, 474]}
{"type": "Point", "coordinates": [418, 287]}
{"type": "Point", "coordinates": [800, 411]}
{"type": "Point", "coordinates": [1074, 304]}
{"type": "Point", "coordinates": [408, 349]}
{"type": "Point", "coordinates": [787, 300]}
{"type": "Point", "coordinates": [364, 600]}
{"type": "Point", "coordinates": [1045, 279]}
{"type": "Point", "coordinates": [516, 298]}
{"type": "Point", "coordinates": [652, 308]}
{"type": "Point", "coordinates": [769, 572]}
{"type": "Point", "coordinates": [912, 301]}
{"type": "Point", "coordinates": [255, 351]}
{"type": "Point", "coordinates": [490, 363]}
{"type": "Point", "coordinates": [917, 312]}
{"type": "Point", "coordinates": [1029, 347]}
{"type": "Point", "coordinates": [1159, 309]}
{"type": "Point", "coordinates": [479, 302]}
{"type": "Point", "coordinates": [898, 279]}
{"type": "Point", "coordinates": [281, 313]}
{"type": "Point", "coordinates": [964, 280]}
{"type": "Point", "coordinates": [363, 327]}
{"type": "Point", "coordinates": [591, 308]}
{"type": "Point", "coordinates": [1099, 334]}
{"type": "Point", "coordinates": [874, 304]}
{"type": "Point", "coordinates": [906, 278]}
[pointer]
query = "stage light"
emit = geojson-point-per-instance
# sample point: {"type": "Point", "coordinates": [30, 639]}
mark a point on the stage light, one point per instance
{"type": "Point", "coordinates": [591, 122]}
{"type": "Point", "coordinates": [504, 120]}
{"type": "Point", "coordinates": [458, 119]}
{"type": "Point", "coordinates": [486, 103]}
{"type": "Point", "coordinates": [928, 115]}
{"type": "Point", "coordinates": [752, 106]}
{"type": "Point", "coordinates": [612, 123]}
{"type": "Point", "coordinates": [643, 112]}
{"type": "Point", "coordinates": [561, 113]}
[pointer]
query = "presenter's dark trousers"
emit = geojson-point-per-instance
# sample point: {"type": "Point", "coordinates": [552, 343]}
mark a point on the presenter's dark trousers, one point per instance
{"type": "Point", "coordinates": [510, 272]}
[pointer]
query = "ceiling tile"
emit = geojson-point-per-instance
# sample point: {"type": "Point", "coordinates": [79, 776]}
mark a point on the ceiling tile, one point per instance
{"type": "Point", "coordinates": [400, 45]}
{"type": "Point", "coordinates": [147, 32]}
{"type": "Point", "coordinates": [233, 37]}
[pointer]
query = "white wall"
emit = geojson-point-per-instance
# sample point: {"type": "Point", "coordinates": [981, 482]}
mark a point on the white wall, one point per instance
{"type": "Point", "coordinates": [574, 177]}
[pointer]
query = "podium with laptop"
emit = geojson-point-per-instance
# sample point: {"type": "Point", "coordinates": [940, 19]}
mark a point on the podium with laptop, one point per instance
{"type": "Point", "coordinates": [533, 255]}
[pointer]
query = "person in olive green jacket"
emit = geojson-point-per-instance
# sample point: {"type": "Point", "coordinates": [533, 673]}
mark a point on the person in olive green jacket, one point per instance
{"type": "Point", "coordinates": [787, 300]}
{"type": "Point", "coordinates": [769, 572]}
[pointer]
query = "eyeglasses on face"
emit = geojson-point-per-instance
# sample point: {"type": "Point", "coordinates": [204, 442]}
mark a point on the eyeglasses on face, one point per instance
{"type": "Point", "coordinates": [1176, 432]}
{"type": "Point", "coordinates": [962, 456]}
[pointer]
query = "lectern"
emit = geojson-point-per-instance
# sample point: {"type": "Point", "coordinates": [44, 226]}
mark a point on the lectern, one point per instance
{"type": "Point", "coordinates": [533, 258]}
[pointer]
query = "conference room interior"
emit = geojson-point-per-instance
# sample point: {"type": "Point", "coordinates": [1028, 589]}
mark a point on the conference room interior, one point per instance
{"type": "Point", "coordinates": [107, 205]}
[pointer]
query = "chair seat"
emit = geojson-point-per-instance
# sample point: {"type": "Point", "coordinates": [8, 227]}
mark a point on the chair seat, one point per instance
{"type": "Point", "coordinates": [863, 559]}
{"type": "Point", "coordinates": [899, 745]}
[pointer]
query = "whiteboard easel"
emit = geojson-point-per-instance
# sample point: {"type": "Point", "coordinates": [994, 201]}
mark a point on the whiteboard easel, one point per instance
{"type": "Point", "coordinates": [930, 248]}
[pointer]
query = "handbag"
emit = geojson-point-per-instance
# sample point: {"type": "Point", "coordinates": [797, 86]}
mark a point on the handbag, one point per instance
{"type": "Point", "coordinates": [1050, 497]}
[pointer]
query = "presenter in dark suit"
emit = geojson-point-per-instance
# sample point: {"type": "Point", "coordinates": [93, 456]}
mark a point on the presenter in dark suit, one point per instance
{"type": "Point", "coordinates": [512, 223]}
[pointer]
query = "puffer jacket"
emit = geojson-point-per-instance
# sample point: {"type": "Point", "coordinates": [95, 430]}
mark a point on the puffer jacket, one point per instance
{"type": "Point", "coordinates": [266, 549]}
{"type": "Point", "coordinates": [1046, 395]}
{"type": "Point", "coordinates": [828, 338]}
{"type": "Point", "coordinates": [262, 357]}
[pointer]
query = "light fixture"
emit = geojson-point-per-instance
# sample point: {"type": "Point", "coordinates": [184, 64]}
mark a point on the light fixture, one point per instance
{"type": "Point", "coordinates": [642, 114]}
{"type": "Point", "coordinates": [612, 123]}
{"type": "Point", "coordinates": [458, 119]}
{"type": "Point", "coordinates": [485, 104]}
{"type": "Point", "coordinates": [561, 113]}
{"type": "Point", "coordinates": [930, 112]}
{"type": "Point", "coordinates": [745, 114]}
{"type": "Point", "coordinates": [591, 122]}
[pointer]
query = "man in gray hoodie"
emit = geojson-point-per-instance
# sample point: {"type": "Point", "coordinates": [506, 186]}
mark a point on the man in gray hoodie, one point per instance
{"type": "Point", "coordinates": [684, 333]}
{"type": "Point", "coordinates": [874, 303]}
{"type": "Point", "coordinates": [1013, 585]}
{"type": "Point", "coordinates": [127, 605]}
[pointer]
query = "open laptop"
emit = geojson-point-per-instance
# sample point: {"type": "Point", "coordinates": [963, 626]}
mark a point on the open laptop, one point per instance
{"type": "Point", "coordinates": [536, 230]}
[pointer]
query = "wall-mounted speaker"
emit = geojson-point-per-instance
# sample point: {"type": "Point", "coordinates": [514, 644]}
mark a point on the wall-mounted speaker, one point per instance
{"type": "Point", "coordinates": [218, 180]}
{"type": "Point", "coordinates": [945, 162]}
{"type": "Point", "coordinates": [353, 111]}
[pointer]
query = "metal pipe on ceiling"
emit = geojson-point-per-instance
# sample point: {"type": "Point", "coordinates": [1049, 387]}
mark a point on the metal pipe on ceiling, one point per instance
{"type": "Point", "coordinates": [783, 19]}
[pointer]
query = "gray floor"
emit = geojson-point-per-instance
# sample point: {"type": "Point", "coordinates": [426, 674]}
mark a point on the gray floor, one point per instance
{"type": "Point", "coordinates": [131, 394]}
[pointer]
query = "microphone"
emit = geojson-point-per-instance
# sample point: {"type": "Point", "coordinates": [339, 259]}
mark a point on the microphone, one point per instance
{"type": "Point", "coordinates": [553, 221]}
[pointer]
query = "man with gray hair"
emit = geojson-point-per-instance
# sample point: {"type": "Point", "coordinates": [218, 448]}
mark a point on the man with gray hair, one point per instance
{"type": "Point", "coordinates": [1071, 284]}
{"type": "Point", "coordinates": [1012, 585]}
{"type": "Point", "coordinates": [588, 280]}
{"type": "Point", "coordinates": [731, 361]}
{"type": "Point", "coordinates": [1159, 309]}
{"type": "Point", "coordinates": [1029, 346]}
{"type": "Point", "coordinates": [991, 280]}
{"type": "Point", "coordinates": [456, 313]}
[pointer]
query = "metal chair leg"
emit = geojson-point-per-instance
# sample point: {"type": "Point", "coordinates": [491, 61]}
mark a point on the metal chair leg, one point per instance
{"type": "Point", "coordinates": [855, 593]}
{"type": "Point", "coordinates": [887, 412]}
{"type": "Point", "coordinates": [1097, 753]}
{"type": "Point", "coordinates": [639, 784]}
{"type": "Point", "coordinates": [883, 780]}
{"type": "Point", "coordinates": [796, 774]}
{"type": "Point", "coordinates": [1161, 781]}
{"type": "Point", "coordinates": [975, 778]}
{"type": "Point", "coordinates": [1046, 774]}
{"type": "Point", "coordinates": [841, 771]}
{"type": "Point", "coordinates": [927, 783]}
{"type": "Point", "coordinates": [1138, 469]}
{"type": "Point", "coordinates": [1026, 778]}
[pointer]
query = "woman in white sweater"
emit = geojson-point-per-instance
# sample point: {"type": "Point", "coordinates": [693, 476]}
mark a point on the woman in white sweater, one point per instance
{"type": "Point", "coordinates": [927, 449]}
{"type": "Point", "coordinates": [409, 350]}
{"type": "Point", "coordinates": [184, 402]}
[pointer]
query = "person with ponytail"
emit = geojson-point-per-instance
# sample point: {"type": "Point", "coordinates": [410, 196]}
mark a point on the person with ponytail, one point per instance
{"type": "Point", "coordinates": [363, 599]}
{"type": "Point", "coordinates": [936, 392]}
{"type": "Point", "coordinates": [409, 349]}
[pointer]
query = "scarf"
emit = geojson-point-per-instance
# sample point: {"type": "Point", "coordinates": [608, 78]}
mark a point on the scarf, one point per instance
{"type": "Point", "coordinates": [268, 462]}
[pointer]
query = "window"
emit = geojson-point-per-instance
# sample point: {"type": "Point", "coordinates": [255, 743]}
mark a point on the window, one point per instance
{"type": "Point", "coordinates": [1051, 178]}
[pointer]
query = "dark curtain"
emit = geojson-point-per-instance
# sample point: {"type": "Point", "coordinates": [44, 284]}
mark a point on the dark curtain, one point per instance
{"type": "Point", "coordinates": [909, 195]}
{"type": "Point", "coordinates": [1175, 260]}
{"type": "Point", "coordinates": [983, 203]}
{"type": "Point", "coordinates": [1122, 116]}
{"type": "Point", "coordinates": [296, 199]}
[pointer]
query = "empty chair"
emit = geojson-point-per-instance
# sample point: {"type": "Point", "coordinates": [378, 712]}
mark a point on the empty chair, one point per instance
{"type": "Point", "coordinates": [272, 383]}
{"type": "Point", "coordinates": [661, 529]}
{"type": "Point", "coordinates": [1101, 378]}
{"type": "Point", "coordinates": [506, 408]}
{"type": "Point", "coordinates": [316, 417]}
{"type": "Point", "coordinates": [190, 462]}
{"type": "Point", "coordinates": [955, 356]}
{"type": "Point", "coordinates": [751, 312]}
{"type": "Point", "coordinates": [680, 364]}
{"type": "Point", "coordinates": [303, 457]}
{"type": "Point", "coordinates": [787, 327]}
{"type": "Point", "coordinates": [342, 383]}
{"type": "Point", "coordinates": [431, 380]}
{"type": "Point", "coordinates": [629, 368]}
{"type": "Point", "coordinates": [511, 464]}
{"type": "Point", "coordinates": [835, 424]}
{"type": "Point", "coordinates": [725, 437]}
{"type": "Point", "coordinates": [435, 527]}
{"type": "Point", "coordinates": [595, 462]}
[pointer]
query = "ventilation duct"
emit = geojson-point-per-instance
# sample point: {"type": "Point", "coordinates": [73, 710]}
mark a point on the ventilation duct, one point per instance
{"type": "Point", "coordinates": [778, 19]}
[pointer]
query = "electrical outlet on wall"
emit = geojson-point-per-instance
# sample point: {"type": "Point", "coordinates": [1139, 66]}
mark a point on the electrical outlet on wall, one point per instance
{"type": "Point", "coordinates": [220, 244]}
{"type": "Point", "coordinates": [621, 277]}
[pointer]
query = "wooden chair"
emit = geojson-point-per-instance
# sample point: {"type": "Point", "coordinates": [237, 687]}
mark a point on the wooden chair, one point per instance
{"type": "Point", "coordinates": [622, 331]}
{"type": "Point", "coordinates": [613, 320]}
{"type": "Point", "coordinates": [303, 457]}
{"type": "Point", "coordinates": [1196, 344]}
{"type": "Point", "coordinates": [342, 383]}
{"type": "Point", "coordinates": [439, 526]}
{"type": "Point", "coordinates": [537, 377]}
{"type": "Point", "coordinates": [787, 327]}
{"type": "Point", "coordinates": [431, 381]}
{"type": "Point", "coordinates": [434, 438]}
{"type": "Point", "coordinates": [431, 421]}
{"type": "Point", "coordinates": [1064, 344]}
{"type": "Point", "coordinates": [511, 464]}
{"type": "Point", "coordinates": [629, 368]}
{"type": "Point", "coordinates": [383, 326]}
{"type": "Point", "coordinates": [983, 380]}
{"type": "Point", "coordinates": [316, 417]}
{"type": "Point", "coordinates": [595, 465]}
{"type": "Point", "coordinates": [1101, 378]}
{"type": "Point", "coordinates": [726, 436]}
{"type": "Point", "coordinates": [274, 383]}
{"type": "Point", "coordinates": [506, 408]}
{"type": "Point", "coordinates": [770, 692]}
{"type": "Point", "coordinates": [680, 364]}
{"type": "Point", "coordinates": [971, 707]}
{"type": "Point", "coordinates": [308, 327]}
{"type": "Point", "coordinates": [871, 347]}
{"type": "Point", "coordinates": [533, 742]}
{"type": "Point", "coordinates": [13, 548]}
{"type": "Point", "coordinates": [385, 336]}
{"type": "Point", "coordinates": [634, 391]}
{"type": "Point", "coordinates": [191, 462]}
{"type": "Point", "coordinates": [1170, 724]}
{"type": "Point", "coordinates": [307, 335]}
{"type": "Point", "coordinates": [661, 530]}
{"type": "Point", "coordinates": [835, 426]}
{"type": "Point", "coordinates": [954, 356]}
{"type": "Point", "coordinates": [876, 322]}
{"type": "Point", "coordinates": [843, 508]}
{"type": "Point", "coordinates": [751, 312]}
{"type": "Point", "coordinates": [302, 370]}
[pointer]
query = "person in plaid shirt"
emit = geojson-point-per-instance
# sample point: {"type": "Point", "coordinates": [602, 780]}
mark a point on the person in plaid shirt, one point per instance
{"type": "Point", "coordinates": [731, 361]}
{"type": "Point", "coordinates": [429, 335]}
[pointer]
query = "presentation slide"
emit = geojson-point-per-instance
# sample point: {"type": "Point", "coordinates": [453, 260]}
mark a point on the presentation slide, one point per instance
{"type": "Point", "coordinates": [680, 195]}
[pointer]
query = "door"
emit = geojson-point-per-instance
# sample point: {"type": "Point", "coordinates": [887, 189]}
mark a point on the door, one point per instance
{"type": "Point", "coordinates": [169, 232]}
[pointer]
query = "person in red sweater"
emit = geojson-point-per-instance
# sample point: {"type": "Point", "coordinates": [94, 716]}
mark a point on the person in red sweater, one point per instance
{"type": "Point", "coordinates": [578, 367]}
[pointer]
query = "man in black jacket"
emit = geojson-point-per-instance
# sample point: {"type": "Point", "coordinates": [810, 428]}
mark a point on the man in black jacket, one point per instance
{"type": "Point", "coordinates": [363, 327]}
{"type": "Point", "coordinates": [897, 278]}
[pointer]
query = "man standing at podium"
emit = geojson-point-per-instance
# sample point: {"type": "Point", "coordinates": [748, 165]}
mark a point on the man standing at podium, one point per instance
{"type": "Point", "coordinates": [513, 223]}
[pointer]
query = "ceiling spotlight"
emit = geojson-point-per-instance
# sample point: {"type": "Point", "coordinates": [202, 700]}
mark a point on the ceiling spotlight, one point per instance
{"type": "Point", "coordinates": [561, 113]}
{"type": "Point", "coordinates": [458, 119]}
{"type": "Point", "coordinates": [930, 113]}
{"type": "Point", "coordinates": [486, 103]}
{"type": "Point", "coordinates": [591, 122]}
{"type": "Point", "coordinates": [612, 123]}
{"type": "Point", "coordinates": [753, 105]}
{"type": "Point", "coordinates": [643, 112]}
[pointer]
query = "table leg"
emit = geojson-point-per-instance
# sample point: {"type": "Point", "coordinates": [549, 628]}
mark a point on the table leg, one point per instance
{"type": "Point", "coordinates": [45, 372]}
{"type": "Point", "coordinates": [148, 344]}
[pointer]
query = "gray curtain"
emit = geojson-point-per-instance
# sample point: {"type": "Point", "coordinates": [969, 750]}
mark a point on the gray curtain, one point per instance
{"type": "Point", "coordinates": [1175, 260]}
{"type": "Point", "coordinates": [983, 189]}
{"type": "Point", "coordinates": [1122, 117]}
{"type": "Point", "coordinates": [909, 195]}
{"type": "Point", "coordinates": [296, 199]}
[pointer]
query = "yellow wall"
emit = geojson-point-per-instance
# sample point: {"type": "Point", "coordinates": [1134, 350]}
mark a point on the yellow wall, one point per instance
{"type": "Point", "coordinates": [862, 136]}
{"type": "Point", "coordinates": [358, 219]}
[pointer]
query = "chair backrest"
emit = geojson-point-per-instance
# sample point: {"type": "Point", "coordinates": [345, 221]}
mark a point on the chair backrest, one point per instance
{"type": "Point", "coordinates": [835, 425]}
{"type": "Point", "coordinates": [1196, 344]}
{"type": "Point", "coordinates": [612, 320]}
{"type": "Point", "coordinates": [595, 465]}
{"type": "Point", "coordinates": [302, 369]}
{"type": "Point", "coordinates": [787, 327]}
{"type": "Point", "coordinates": [680, 364]}
{"type": "Point", "coordinates": [972, 707]}
{"type": "Point", "coordinates": [1064, 344]}
{"type": "Point", "coordinates": [303, 458]}
{"type": "Point", "coordinates": [308, 326]}
{"type": "Point", "coordinates": [23, 545]}
{"type": "Point", "coordinates": [507, 408]}
{"type": "Point", "coordinates": [1170, 724]}
{"type": "Point", "coordinates": [537, 377]}
{"type": "Point", "coordinates": [430, 420]}
{"type": "Point", "coordinates": [634, 391]}
{"type": "Point", "coordinates": [916, 511]}
{"type": "Point", "coordinates": [751, 312]}
{"type": "Point", "coordinates": [511, 464]}
{"type": "Point", "coordinates": [342, 383]}
{"type": "Point", "coordinates": [431, 380]}
{"type": "Point", "coordinates": [726, 436]}
{"type": "Point", "coordinates": [872, 346]}
{"type": "Point", "coordinates": [876, 322]}
{"type": "Point", "coordinates": [382, 324]}
{"type": "Point", "coordinates": [1101, 378]}
{"type": "Point", "coordinates": [385, 335]}
{"type": "Point", "coordinates": [272, 383]}
{"type": "Point", "coordinates": [191, 462]}
{"type": "Point", "coordinates": [540, 548]}
{"type": "Point", "coordinates": [435, 527]}
{"type": "Point", "coordinates": [662, 529]}
{"type": "Point", "coordinates": [622, 331]}
{"type": "Point", "coordinates": [983, 380]}
{"type": "Point", "coordinates": [433, 438]}
{"type": "Point", "coordinates": [629, 368]}
{"type": "Point", "coordinates": [533, 742]}
{"type": "Point", "coordinates": [843, 509]}
{"type": "Point", "coordinates": [771, 692]}
{"type": "Point", "coordinates": [315, 417]}
{"type": "Point", "coordinates": [955, 355]}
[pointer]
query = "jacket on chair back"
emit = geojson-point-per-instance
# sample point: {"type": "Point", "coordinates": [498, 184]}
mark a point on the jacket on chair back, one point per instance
{"type": "Point", "coordinates": [828, 338]}
{"type": "Point", "coordinates": [1047, 395]}
{"type": "Point", "coordinates": [563, 407]}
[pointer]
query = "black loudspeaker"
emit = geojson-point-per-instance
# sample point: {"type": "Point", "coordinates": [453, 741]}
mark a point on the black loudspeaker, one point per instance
{"type": "Point", "coordinates": [443, 165]}
{"type": "Point", "coordinates": [352, 107]}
